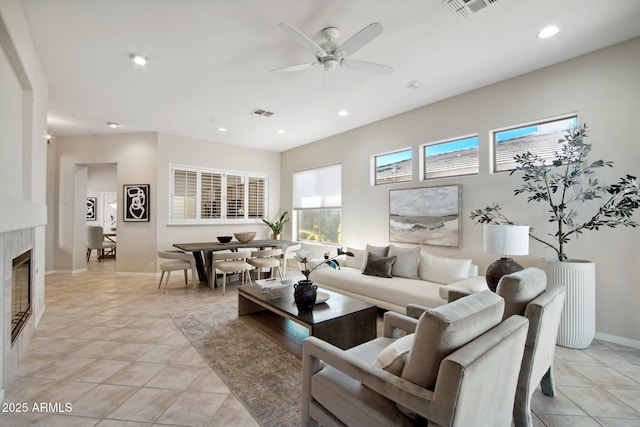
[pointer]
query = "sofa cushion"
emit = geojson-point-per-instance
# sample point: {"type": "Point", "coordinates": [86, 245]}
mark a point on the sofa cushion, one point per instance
{"type": "Point", "coordinates": [379, 265]}
{"type": "Point", "coordinates": [355, 261]}
{"type": "Point", "coordinates": [378, 250]}
{"type": "Point", "coordinates": [394, 356]}
{"type": "Point", "coordinates": [441, 269]}
{"type": "Point", "coordinates": [406, 264]}
{"type": "Point", "coordinates": [444, 329]}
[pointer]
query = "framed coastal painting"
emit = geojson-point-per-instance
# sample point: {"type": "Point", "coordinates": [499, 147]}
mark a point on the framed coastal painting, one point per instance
{"type": "Point", "coordinates": [136, 202]}
{"type": "Point", "coordinates": [92, 204]}
{"type": "Point", "coordinates": [426, 216]}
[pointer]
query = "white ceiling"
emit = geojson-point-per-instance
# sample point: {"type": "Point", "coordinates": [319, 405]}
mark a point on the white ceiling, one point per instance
{"type": "Point", "coordinates": [210, 60]}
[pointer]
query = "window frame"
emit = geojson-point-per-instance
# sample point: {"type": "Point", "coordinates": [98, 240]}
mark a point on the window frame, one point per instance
{"type": "Point", "coordinates": [224, 217]}
{"type": "Point", "coordinates": [423, 157]}
{"type": "Point", "coordinates": [373, 168]}
{"type": "Point", "coordinates": [328, 200]}
{"type": "Point", "coordinates": [493, 133]}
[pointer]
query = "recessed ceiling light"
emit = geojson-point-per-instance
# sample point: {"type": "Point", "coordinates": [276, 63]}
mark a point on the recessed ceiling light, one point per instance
{"type": "Point", "coordinates": [343, 113]}
{"type": "Point", "coordinates": [138, 59]}
{"type": "Point", "coordinates": [282, 131]}
{"type": "Point", "coordinates": [222, 129]}
{"type": "Point", "coordinates": [414, 85]}
{"type": "Point", "coordinates": [549, 31]}
{"type": "Point", "coordinates": [113, 124]}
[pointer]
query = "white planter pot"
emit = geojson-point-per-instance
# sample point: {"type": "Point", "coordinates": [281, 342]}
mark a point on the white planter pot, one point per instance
{"type": "Point", "coordinates": [578, 322]}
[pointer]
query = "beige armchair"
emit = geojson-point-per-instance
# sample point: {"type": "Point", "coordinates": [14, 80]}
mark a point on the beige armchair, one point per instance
{"type": "Point", "coordinates": [525, 294]}
{"type": "Point", "coordinates": [458, 366]}
{"type": "Point", "coordinates": [180, 261]}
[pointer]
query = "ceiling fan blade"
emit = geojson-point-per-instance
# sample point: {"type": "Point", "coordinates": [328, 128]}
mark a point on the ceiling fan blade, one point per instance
{"type": "Point", "coordinates": [364, 36]}
{"type": "Point", "coordinates": [297, 67]}
{"type": "Point", "coordinates": [369, 67]}
{"type": "Point", "coordinates": [302, 39]}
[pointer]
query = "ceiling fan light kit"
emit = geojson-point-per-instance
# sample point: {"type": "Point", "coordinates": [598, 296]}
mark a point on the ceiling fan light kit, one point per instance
{"type": "Point", "coordinates": [333, 56]}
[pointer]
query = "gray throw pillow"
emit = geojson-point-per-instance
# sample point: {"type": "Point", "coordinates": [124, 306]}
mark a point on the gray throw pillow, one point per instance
{"type": "Point", "coordinates": [377, 250]}
{"type": "Point", "coordinates": [406, 264]}
{"type": "Point", "coordinates": [378, 265]}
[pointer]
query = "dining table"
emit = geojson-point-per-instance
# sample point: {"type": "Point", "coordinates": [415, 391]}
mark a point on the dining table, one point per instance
{"type": "Point", "coordinates": [202, 252]}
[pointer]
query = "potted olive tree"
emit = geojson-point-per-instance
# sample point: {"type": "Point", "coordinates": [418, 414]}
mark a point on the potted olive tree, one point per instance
{"type": "Point", "coordinates": [562, 186]}
{"type": "Point", "coordinates": [277, 226]}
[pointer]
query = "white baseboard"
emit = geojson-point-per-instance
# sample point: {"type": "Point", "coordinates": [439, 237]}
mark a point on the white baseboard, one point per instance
{"type": "Point", "coordinates": [618, 340]}
{"type": "Point", "coordinates": [78, 271]}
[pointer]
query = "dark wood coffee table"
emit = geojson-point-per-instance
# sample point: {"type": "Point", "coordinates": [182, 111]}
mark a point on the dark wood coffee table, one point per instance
{"type": "Point", "coordinates": [342, 321]}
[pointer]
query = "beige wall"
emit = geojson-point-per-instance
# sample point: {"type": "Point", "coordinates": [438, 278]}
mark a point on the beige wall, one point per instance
{"type": "Point", "coordinates": [135, 157]}
{"type": "Point", "coordinates": [603, 88]}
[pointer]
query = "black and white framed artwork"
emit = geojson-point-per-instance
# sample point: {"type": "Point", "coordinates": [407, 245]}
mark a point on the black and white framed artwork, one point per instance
{"type": "Point", "coordinates": [136, 202]}
{"type": "Point", "coordinates": [92, 204]}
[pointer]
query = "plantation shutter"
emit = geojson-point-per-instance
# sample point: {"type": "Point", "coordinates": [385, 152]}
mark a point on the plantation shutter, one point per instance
{"type": "Point", "coordinates": [210, 195]}
{"type": "Point", "coordinates": [256, 197]}
{"type": "Point", "coordinates": [235, 196]}
{"type": "Point", "coordinates": [183, 197]}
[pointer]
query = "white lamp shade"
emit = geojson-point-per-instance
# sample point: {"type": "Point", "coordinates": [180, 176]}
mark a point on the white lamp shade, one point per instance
{"type": "Point", "coordinates": [506, 239]}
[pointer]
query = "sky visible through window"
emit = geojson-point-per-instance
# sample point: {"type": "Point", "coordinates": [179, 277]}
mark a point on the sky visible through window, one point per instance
{"type": "Point", "coordinates": [391, 158]}
{"type": "Point", "coordinates": [448, 147]}
{"type": "Point", "coordinates": [543, 128]}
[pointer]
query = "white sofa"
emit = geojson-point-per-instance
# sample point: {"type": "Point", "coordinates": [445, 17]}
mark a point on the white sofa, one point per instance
{"type": "Point", "coordinates": [417, 278]}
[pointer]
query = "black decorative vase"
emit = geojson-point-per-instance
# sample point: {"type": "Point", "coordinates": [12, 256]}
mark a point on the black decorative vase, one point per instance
{"type": "Point", "coordinates": [305, 295]}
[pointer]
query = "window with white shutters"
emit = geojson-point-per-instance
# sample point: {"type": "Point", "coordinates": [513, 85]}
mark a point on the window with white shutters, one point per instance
{"type": "Point", "coordinates": [202, 195]}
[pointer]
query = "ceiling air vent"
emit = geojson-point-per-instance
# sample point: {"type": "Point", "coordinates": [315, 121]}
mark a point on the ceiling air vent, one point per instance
{"type": "Point", "coordinates": [464, 8]}
{"type": "Point", "coordinates": [262, 113]}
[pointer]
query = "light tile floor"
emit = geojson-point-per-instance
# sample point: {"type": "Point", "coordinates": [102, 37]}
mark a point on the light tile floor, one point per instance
{"type": "Point", "coordinates": [107, 346]}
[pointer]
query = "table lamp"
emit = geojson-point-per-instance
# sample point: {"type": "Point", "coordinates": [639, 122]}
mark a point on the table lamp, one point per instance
{"type": "Point", "coordinates": [505, 240]}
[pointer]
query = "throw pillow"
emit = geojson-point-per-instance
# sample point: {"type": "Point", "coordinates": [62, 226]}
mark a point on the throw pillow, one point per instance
{"type": "Point", "coordinates": [444, 329]}
{"type": "Point", "coordinates": [443, 270]}
{"type": "Point", "coordinates": [393, 357]}
{"type": "Point", "coordinates": [378, 250]}
{"type": "Point", "coordinates": [355, 261]}
{"type": "Point", "coordinates": [406, 264]}
{"type": "Point", "coordinates": [379, 265]}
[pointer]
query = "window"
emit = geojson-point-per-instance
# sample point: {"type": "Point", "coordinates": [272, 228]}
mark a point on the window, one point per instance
{"type": "Point", "coordinates": [317, 204]}
{"type": "Point", "coordinates": [538, 138]}
{"type": "Point", "coordinates": [201, 195]}
{"type": "Point", "coordinates": [393, 167]}
{"type": "Point", "coordinates": [451, 158]}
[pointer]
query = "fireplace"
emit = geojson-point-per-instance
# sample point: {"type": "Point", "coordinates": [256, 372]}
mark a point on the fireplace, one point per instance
{"type": "Point", "coordinates": [20, 294]}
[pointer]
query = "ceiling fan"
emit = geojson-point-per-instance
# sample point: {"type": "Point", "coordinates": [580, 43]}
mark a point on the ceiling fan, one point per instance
{"type": "Point", "coordinates": [331, 55]}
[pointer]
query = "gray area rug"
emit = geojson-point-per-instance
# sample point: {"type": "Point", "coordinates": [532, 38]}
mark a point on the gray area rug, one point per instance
{"type": "Point", "coordinates": [261, 374]}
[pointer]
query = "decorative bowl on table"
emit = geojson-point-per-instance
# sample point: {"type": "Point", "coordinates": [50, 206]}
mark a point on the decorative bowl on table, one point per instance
{"type": "Point", "coordinates": [245, 237]}
{"type": "Point", "coordinates": [224, 239]}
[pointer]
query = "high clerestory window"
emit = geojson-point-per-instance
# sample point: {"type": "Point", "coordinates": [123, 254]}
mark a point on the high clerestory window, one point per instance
{"type": "Point", "coordinates": [203, 195]}
{"type": "Point", "coordinates": [392, 167]}
{"type": "Point", "coordinates": [539, 138]}
{"type": "Point", "coordinates": [453, 157]}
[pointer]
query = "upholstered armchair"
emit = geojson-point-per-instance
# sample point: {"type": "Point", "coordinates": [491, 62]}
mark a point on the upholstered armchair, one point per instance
{"type": "Point", "coordinates": [525, 294]}
{"type": "Point", "coordinates": [457, 366]}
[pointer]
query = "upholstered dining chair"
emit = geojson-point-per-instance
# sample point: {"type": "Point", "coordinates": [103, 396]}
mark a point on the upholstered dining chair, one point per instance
{"type": "Point", "coordinates": [457, 366]}
{"type": "Point", "coordinates": [96, 240]}
{"type": "Point", "coordinates": [525, 293]}
{"type": "Point", "coordinates": [232, 262]}
{"type": "Point", "coordinates": [266, 258]}
{"type": "Point", "coordinates": [180, 261]}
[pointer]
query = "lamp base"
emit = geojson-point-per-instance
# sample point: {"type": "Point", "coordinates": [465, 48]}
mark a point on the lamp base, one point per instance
{"type": "Point", "coordinates": [500, 268]}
